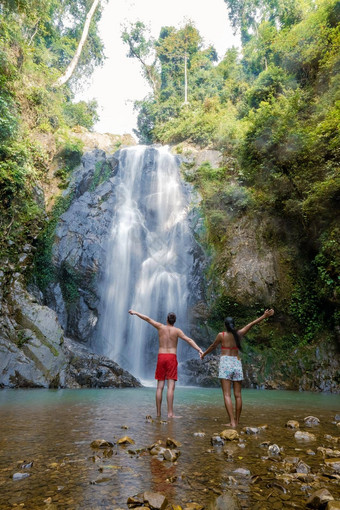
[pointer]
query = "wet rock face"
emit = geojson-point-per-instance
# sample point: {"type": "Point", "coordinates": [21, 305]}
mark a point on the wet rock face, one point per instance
{"type": "Point", "coordinates": [79, 248]}
{"type": "Point", "coordinates": [324, 360]}
{"type": "Point", "coordinates": [204, 373]}
{"type": "Point", "coordinates": [35, 354]}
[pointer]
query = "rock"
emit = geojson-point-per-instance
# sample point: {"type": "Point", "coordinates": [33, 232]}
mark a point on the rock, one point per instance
{"type": "Point", "coordinates": [251, 430]}
{"type": "Point", "coordinates": [332, 438]}
{"type": "Point", "coordinates": [27, 465]}
{"type": "Point", "coordinates": [41, 357]}
{"type": "Point", "coordinates": [319, 499]}
{"type": "Point", "coordinates": [274, 449]}
{"type": "Point", "coordinates": [334, 464]}
{"type": "Point", "coordinates": [227, 501]}
{"type": "Point", "coordinates": [337, 417]}
{"type": "Point", "coordinates": [101, 443]}
{"type": "Point", "coordinates": [229, 434]}
{"type": "Point", "coordinates": [291, 460]}
{"type": "Point", "coordinates": [216, 440]}
{"type": "Point", "coordinates": [157, 450]}
{"type": "Point", "coordinates": [203, 373]}
{"type": "Point", "coordinates": [302, 467]}
{"type": "Point", "coordinates": [304, 436]}
{"type": "Point", "coordinates": [155, 500]}
{"type": "Point", "coordinates": [292, 424]}
{"type": "Point", "coordinates": [20, 476]}
{"type": "Point", "coordinates": [328, 452]}
{"type": "Point", "coordinates": [311, 421]}
{"type": "Point", "coordinates": [242, 472]}
{"type": "Point", "coordinates": [193, 506]}
{"type": "Point", "coordinates": [172, 443]}
{"type": "Point", "coordinates": [89, 370]}
{"type": "Point", "coordinates": [125, 440]}
{"type": "Point", "coordinates": [170, 455]}
{"type": "Point", "coordinates": [135, 501]}
{"type": "Point", "coordinates": [333, 505]}
{"type": "Point", "coordinates": [199, 434]}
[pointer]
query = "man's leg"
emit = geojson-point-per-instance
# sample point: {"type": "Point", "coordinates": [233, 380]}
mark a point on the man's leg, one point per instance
{"type": "Point", "coordinates": [226, 388]}
{"type": "Point", "coordinates": [159, 394]}
{"type": "Point", "coordinates": [170, 397]}
{"type": "Point", "coordinates": [238, 399]}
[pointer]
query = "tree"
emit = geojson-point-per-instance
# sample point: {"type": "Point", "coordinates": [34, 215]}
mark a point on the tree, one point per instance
{"type": "Point", "coordinates": [141, 47]}
{"type": "Point", "coordinates": [73, 64]}
{"type": "Point", "coordinates": [175, 49]}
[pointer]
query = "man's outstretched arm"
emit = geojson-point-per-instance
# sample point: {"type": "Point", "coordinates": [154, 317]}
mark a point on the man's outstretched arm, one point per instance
{"type": "Point", "coordinates": [145, 318]}
{"type": "Point", "coordinates": [190, 341]}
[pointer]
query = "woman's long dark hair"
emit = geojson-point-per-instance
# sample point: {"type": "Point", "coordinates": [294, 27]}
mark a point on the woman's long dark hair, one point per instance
{"type": "Point", "coordinates": [229, 324]}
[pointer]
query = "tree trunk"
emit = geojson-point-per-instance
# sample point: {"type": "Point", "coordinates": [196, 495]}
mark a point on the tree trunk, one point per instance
{"type": "Point", "coordinates": [73, 64]}
{"type": "Point", "coordinates": [185, 80]}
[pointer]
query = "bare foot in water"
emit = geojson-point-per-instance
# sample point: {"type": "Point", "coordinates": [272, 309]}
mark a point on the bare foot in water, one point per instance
{"type": "Point", "coordinates": [232, 425]}
{"type": "Point", "coordinates": [173, 416]}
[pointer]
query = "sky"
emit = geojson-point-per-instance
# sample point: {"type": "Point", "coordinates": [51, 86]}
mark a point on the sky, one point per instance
{"type": "Point", "coordinates": [118, 83]}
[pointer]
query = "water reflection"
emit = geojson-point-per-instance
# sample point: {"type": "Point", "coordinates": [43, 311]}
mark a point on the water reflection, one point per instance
{"type": "Point", "coordinates": [54, 429]}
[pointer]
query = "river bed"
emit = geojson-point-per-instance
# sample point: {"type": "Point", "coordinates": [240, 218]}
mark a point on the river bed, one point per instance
{"type": "Point", "coordinates": [54, 430]}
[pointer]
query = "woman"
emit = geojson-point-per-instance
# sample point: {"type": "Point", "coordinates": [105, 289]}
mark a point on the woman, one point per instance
{"type": "Point", "coordinates": [230, 368]}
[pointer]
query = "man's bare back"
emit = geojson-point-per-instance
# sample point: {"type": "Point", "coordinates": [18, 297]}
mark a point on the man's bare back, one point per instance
{"type": "Point", "coordinates": [168, 335]}
{"type": "Point", "coordinates": [166, 369]}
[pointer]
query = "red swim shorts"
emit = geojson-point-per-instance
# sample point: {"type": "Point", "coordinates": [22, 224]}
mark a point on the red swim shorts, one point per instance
{"type": "Point", "coordinates": [166, 367]}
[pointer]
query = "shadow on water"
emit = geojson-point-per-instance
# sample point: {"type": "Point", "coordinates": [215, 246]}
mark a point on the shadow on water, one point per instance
{"type": "Point", "coordinates": [54, 429]}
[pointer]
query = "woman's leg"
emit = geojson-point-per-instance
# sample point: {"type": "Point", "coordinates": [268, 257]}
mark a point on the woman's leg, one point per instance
{"type": "Point", "coordinates": [238, 399]}
{"type": "Point", "coordinates": [226, 388]}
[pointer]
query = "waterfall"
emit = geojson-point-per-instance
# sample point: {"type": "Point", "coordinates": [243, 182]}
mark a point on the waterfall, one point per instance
{"type": "Point", "coordinates": [149, 258]}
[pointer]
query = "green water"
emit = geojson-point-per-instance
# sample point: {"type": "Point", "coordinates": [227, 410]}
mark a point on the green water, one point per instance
{"type": "Point", "coordinates": [54, 429]}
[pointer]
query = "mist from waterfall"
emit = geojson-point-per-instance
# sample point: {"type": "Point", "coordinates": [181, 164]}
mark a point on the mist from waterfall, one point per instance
{"type": "Point", "coordinates": [149, 259]}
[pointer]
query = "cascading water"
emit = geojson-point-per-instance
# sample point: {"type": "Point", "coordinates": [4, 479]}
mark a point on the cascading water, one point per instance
{"type": "Point", "coordinates": [149, 258]}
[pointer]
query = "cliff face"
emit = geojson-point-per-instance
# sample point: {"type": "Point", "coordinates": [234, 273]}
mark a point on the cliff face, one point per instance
{"type": "Point", "coordinates": [45, 336]}
{"type": "Point", "coordinates": [35, 353]}
{"type": "Point", "coordinates": [78, 251]}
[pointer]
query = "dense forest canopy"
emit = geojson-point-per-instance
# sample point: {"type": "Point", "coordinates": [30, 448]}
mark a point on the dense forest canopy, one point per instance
{"type": "Point", "coordinates": [272, 109]}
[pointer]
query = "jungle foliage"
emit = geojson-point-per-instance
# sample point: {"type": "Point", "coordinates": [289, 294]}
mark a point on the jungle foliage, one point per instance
{"type": "Point", "coordinates": [37, 41]}
{"type": "Point", "coordinates": [273, 110]}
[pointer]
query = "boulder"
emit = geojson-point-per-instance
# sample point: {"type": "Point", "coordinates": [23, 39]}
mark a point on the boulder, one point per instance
{"type": "Point", "coordinates": [333, 505]}
{"type": "Point", "coordinates": [292, 424]}
{"type": "Point", "coordinates": [101, 443]}
{"type": "Point", "coordinates": [334, 464]}
{"type": "Point", "coordinates": [229, 434]}
{"type": "Point", "coordinates": [274, 449]}
{"type": "Point", "coordinates": [172, 443]}
{"type": "Point", "coordinates": [155, 500]}
{"type": "Point", "coordinates": [252, 430]}
{"type": "Point", "coordinates": [304, 436]}
{"type": "Point", "coordinates": [170, 455]}
{"type": "Point", "coordinates": [125, 440]}
{"type": "Point", "coordinates": [216, 440]}
{"type": "Point", "coordinates": [227, 500]}
{"type": "Point", "coordinates": [319, 499]}
{"type": "Point", "coordinates": [311, 421]}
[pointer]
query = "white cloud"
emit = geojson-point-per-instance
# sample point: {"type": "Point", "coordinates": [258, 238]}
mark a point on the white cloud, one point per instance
{"type": "Point", "coordinates": [118, 83]}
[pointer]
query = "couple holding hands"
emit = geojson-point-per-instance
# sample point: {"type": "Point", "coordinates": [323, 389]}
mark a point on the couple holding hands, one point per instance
{"type": "Point", "coordinates": [230, 366]}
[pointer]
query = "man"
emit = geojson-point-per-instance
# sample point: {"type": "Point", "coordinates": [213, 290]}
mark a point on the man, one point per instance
{"type": "Point", "coordinates": [168, 336]}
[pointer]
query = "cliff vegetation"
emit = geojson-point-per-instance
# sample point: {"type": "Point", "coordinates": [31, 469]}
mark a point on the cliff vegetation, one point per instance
{"type": "Point", "coordinates": [38, 39]}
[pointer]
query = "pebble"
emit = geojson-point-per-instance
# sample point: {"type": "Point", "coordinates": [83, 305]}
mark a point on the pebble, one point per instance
{"type": "Point", "coordinates": [20, 476]}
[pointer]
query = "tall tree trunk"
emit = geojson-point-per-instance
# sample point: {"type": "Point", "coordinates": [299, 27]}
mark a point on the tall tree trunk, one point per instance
{"type": "Point", "coordinates": [185, 79]}
{"type": "Point", "coordinates": [73, 64]}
